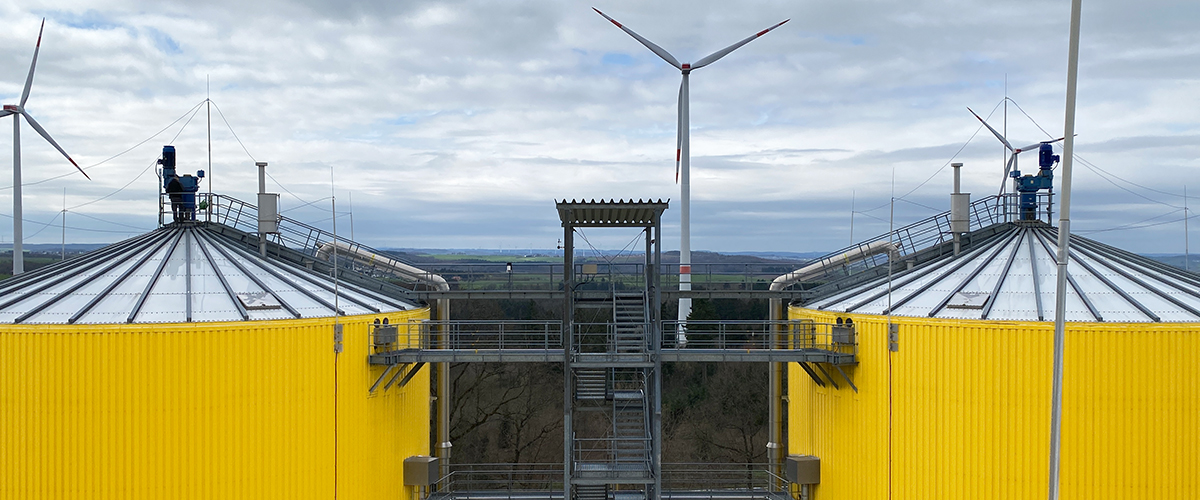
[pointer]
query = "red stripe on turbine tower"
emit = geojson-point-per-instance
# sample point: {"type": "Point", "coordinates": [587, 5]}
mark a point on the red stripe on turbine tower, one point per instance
{"type": "Point", "coordinates": [685, 269]}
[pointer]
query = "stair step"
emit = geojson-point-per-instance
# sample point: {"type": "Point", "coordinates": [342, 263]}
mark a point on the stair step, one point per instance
{"type": "Point", "coordinates": [591, 383]}
{"type": "Point", "coordinates": [591, 492]}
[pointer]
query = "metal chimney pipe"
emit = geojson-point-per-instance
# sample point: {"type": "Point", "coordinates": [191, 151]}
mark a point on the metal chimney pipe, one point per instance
{"type": "Point", "coordinates": [262, 210]}
{"type": "Point", "coordinates": [262, 177]}
{"type": "Point", "coordinates": [960, 219]}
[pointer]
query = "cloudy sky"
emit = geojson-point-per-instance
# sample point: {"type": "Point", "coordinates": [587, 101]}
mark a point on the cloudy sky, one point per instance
{"type": "Point", "coordinates": [457, 124]}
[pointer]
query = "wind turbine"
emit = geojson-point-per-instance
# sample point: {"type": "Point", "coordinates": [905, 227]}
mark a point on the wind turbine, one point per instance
{"type": "Point", "coordinates": [19, 111]}
{"type": "Point", "coordinates": [1012, 159]}
{"type": "Point", "coordinates": [683, 155]}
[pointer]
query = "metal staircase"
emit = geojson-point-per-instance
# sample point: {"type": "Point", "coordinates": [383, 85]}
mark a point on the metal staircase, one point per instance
{"type": "Point", "coordinates": [591, 384]}
{"type": "Point", "coordinates": [613, 445]}
{"type": "Point", "coordinates": [591, 492]}
{"type": "Point", "coordinates": [631, 436]}
{"type": "Point", "coordinates": [630, 323]}
{"type": "Point", "coordinates": [612, 442]}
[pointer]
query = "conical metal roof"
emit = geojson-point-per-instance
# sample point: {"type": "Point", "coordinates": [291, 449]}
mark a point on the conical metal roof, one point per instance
{"type": "Point", "coordinates": [1008, 272]}
{"type": "Point", "coordinates": [187, 273]}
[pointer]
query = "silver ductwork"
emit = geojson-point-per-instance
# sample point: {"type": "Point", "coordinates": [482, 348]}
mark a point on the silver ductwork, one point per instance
{"type": "Point", "coordinates": [326, 252]}
{"type": "Point", "coordinates": [367, 258]}
{"type": "Point", "coordinates": [775, 446]}
{"type": "Point", "coordinates": [820, 267]}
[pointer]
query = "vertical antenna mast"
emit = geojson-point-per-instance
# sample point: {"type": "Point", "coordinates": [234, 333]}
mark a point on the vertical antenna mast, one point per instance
{"type": "Point", "coordinates": [1064, 240]}
{"type": "Point", "coordinates": [1005, 127]}
{"type": "Point", "coordinates": [208, 105]}
{"type": "Point", "coordinates": [1186, 254]}
{"type": "Point", "coordinates": [852, 217]}
{"type": "Point", "coordinates": [333, 207]}
{"type": "Point", "coordinates": [65, 220]}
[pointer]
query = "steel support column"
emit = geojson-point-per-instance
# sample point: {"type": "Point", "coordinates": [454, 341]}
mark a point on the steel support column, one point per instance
{"type": "Point", "coordinates": [568, 334]}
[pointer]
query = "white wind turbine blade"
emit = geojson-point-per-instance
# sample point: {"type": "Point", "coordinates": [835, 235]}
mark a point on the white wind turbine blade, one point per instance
{"type": "Point", "coordinates": [1038, 145]}
{"type": "Point", "coordinates": [1008, 168]}
{"type": "Point", "coordinates": [5, 112]}
{"type": "Point", "coordinates": [666, 56]}
{"type": "Point", "coordinates": [46, 135]}
{"type": "Point", "coordinates": [994, 132]}
{"type": "Point", "coordinates": [29, 79]}
{"type": "Point", "coordinates": [678, 132]}
{"type": "Point", "coordinates": [711, 58]}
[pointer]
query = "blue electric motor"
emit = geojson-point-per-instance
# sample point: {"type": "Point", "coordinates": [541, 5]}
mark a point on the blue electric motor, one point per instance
{"type": "Point", "coordinates": [180, 188]}
{"type": "Point", "coordinates": [1029, 185]}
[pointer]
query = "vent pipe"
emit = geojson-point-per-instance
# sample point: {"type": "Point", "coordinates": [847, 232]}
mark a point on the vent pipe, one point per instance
{"type": "Point", "coordinates": [268, 209]}
{"type": "Point", "coordinates": [960, 207]}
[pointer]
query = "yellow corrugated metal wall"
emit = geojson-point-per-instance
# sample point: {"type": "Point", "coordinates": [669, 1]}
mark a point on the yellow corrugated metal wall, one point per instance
{"type": "Point", "coordinates": [207, 410]}
{"type": "Point", "coordinates": [963, 411]}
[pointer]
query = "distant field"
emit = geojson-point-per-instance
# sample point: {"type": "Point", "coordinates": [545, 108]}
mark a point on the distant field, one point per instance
{"type": "Point", "coordinates": [31, 262]}
{"type": "Point", "coordinates": [499, 259]}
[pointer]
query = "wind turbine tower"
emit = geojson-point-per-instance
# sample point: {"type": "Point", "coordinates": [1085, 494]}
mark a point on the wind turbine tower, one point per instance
{"type": "Point", "coordinates": [683, 155]}
{"type": "Point", "coordinates": [19, 111]}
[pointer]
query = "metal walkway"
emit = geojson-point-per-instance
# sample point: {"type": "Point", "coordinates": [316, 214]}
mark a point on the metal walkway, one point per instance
{"type": "Point", "coordinates": [685, 481]}
{"type": "Point", "coordinates": [542, 342]}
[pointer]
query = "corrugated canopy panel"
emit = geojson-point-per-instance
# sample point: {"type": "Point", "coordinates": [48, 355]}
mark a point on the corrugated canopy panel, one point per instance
{"type": "Point", "coordinates": [612, 213]}
{"type": "Point", "coordinates": [1011, 275]}
{"type": "Point", "coordinates": [178, 274]}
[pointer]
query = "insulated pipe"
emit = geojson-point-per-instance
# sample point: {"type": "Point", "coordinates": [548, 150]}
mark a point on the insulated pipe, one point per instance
{"type": "Point", "coordinates": [775, 448]}
{"type": "Point", "coordinates": [376, 260]}
{"type": "Point", "coordinates": [326, 252]}
{"type": "Point", "coordinates": [860, 253]}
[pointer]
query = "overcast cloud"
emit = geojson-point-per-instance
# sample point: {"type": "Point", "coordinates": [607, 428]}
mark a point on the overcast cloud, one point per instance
{"type": "Point", "coordinates": [456, 124]}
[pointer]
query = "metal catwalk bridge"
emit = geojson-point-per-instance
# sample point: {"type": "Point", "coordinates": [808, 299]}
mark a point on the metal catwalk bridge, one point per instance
{"type": "Point", "coordinates": [612, 369]}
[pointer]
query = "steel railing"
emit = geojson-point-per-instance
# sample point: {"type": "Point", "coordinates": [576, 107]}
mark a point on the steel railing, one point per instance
{"type": "Point", "coordinates": [701, 477]}
{"type": "Point", "coordinates": [604, 452]}
{"type": "Point", "coordinates": [546, 477]}
{"type": "Point", "coordinates": [760, 335]}
{"type": "Point", "coordinates": [619, 274]}
{"type": "Point", "coordinates": [598, 338]}
{"type": "Point", "coordinates": [502, 477]}
{"type": "Point", "coordinates": [469, 334]}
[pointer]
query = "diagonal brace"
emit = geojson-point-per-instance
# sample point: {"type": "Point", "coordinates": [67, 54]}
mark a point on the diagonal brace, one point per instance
{"type": "Point", "coordinates": [381, 376]}
{"type": "Point", "coordinates": [848, 381]}
{"type": "Point", "coordinates": [835, 384]}
{"type": "Point", "coordinates": [399, 372]}
{"type": "Point", "coordinates": [412, 373]}
{"type": "Point", "coordinates": [811, 374]}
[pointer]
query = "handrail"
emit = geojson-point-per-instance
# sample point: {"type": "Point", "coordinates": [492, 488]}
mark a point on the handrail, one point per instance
{"type": "Point", "coordinates": [677, 476]}
{"type": "Point", "coordinates": [600, 338]}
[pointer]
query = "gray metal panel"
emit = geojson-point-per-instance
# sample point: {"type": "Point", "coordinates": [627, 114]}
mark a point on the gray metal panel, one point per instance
{"type": "Point", "coordinates": [164, 276]}
{"type": "Point", "coordinates": [1013, 278]}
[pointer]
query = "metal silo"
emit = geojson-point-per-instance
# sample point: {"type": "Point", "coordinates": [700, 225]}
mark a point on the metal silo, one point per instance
{"type": "Point", "coordinates": [953, 378]}
{"type": "Point", "coordinates": [190, 362]}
